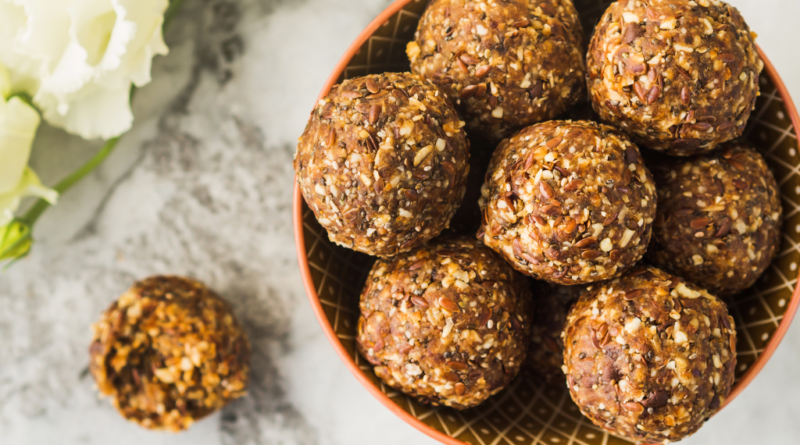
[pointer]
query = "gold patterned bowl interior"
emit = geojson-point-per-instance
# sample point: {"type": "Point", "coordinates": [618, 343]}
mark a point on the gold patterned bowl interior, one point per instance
{"type": "Point", "coordinates": [529, 412]}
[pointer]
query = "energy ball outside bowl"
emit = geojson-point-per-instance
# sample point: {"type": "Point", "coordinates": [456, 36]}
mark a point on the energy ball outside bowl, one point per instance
{"type": "Point", "coordinates": [678, 76]}
{"type": "Point", "coordinates": [506, 64]}
{"type": "Point", "coordinates": [649, 357]}
{"type": "Point", "coordinates": [169, 352]}
{"type": "Point", "coordinates": [447, 323]}
{"type": "Point", "coordinates": [568, 202]}
{"type": "Point", "coordinates": [719, 218]}
{"type": "Point", "coordinates": [383, 163]}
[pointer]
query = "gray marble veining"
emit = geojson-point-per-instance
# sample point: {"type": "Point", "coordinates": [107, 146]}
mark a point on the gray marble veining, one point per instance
{"type": "Point", "coordinates": [202, 186]}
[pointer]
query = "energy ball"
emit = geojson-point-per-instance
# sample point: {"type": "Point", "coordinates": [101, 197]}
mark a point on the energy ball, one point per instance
{"type": "Point", "coordinates": [719, 218]}
{"type": "Point", "coordinates": [505, 64]}
{"type": "Point", "coordinates": [568, 202]}
{"type": "Point", "coordinates": [551, 303]}
{"type": "Point", "coordinates": [649, 356]}
{"type": "Point", "coordinates": [383, 163]}
{"type": "Point", "coordinates": [447, 323]}
{"type": "Point", "coordinates": [678, 76]}
{"type": "Point", "coordinates": [169, 352]}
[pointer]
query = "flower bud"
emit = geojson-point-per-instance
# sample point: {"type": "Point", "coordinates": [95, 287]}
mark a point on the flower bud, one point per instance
{"type": "Point", "coordinates": [15, 240]}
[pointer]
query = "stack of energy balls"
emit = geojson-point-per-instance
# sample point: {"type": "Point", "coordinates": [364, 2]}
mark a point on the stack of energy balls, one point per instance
{"type": "Point", "coordinates": [628, 265]}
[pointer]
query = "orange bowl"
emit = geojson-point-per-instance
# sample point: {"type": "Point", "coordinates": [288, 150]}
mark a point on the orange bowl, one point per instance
{"type": "Point", "coordinates": [529, 412]}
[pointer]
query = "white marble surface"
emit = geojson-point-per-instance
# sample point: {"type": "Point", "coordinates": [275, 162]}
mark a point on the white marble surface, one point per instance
{"type": "Point", "coordinates": [202, 187]}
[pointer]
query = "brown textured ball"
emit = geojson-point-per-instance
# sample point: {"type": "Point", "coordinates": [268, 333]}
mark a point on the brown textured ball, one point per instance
{"type": "Point", "coordinates": [568, 202]}
{"type": "Point", "coordinates": [719, 218]}
{"type": "Point", "coordinates": [506, 64]}
{"type": "Point", "coordinates": [169, 352]}
{"type": "Point", "coordinates": [383, 163]}
{"type": "Point", "coordinates": [649, 356]}
{"type": "Point", "coordinates": [447, 323]}
{"type": "Point", "coordinates": [678, 76]}
{"type": "Point", "coordinates": [551, 303]}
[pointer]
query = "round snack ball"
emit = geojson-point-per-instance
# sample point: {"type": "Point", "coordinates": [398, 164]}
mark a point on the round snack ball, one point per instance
{"type": "Point", "coordinates": [383, 163]}
{"type": "Point", "coordinates": [551, 303]}
{"type": "Point", "coordinates": [448, 323]}
{"type": "Point", "coordinates": [649, 356]}
{"type": "Point", "coordinates": [505, 64]}
{"type": "Point", "coordinates": [678, 76]}
{"type": "Point", "coordinates": [169, 352]}
{"type": "Point", "coordinates": [719, 218]}
{"type": "Point", "coordinates": [568, 202]}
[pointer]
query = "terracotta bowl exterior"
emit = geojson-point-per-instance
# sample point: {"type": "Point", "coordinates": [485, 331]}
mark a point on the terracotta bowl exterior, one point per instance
{"type": "Point", "coordinates": [529, 412]}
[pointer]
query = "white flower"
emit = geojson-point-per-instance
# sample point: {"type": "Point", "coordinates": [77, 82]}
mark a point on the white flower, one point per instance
{"type": "Point", "coordinates": [78, 58]}
{"type": "Point", "coordinates": [5, 83]}
{"type": "Point", "coordinates": [18, 124]}
{"type": "Point", "coordinates": [29, 186]}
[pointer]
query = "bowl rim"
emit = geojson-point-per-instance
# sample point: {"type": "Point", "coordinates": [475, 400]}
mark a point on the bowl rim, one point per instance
{"type": "Point", "coordinates": [330, 333]}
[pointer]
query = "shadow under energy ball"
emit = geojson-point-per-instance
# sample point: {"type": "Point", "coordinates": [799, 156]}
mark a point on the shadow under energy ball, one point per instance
{"type": "Point", "coordinates": [169, 352]}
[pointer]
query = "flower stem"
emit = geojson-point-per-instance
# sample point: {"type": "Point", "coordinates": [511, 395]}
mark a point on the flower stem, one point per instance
{"type": "Point", "coordinates": [41, 205]}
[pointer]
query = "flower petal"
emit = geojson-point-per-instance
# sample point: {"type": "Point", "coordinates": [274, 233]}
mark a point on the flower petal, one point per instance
{"type": "Point", "coordinates": [29, 186]}
{"type": "Point", "coordinates": [18, 124]}
{"type": "Point", "coordinates": [99, 35]}
{"type": "Point", "coordinates": [149, 41]}
{"type": "Point", "coordinates": [34, 36]}
{"type": "Point", "coordinates": [68, 54]}
{"type": "Point", "coordinates": [97, 112]}
{"type": "Point", "coordinates": [5, 83]}
{"type": "Point", "coordinates": [111, 46]}
{"type": "Point", "coordinates": [13, 20]}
